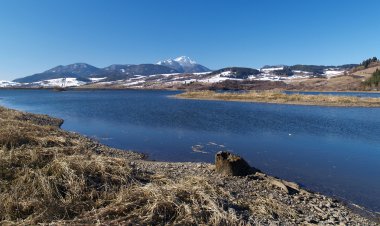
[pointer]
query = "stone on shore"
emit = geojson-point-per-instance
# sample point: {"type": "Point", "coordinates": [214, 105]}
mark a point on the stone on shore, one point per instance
{"type": "Point", "coordinates": [229, 164]}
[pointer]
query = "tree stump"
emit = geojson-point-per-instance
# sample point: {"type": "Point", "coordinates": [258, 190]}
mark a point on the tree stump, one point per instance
{"type": "Point", "coordinates": [229, 164]}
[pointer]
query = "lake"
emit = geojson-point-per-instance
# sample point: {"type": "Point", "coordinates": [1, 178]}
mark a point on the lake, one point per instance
{"type": "Point", "coordinates": [332, 150]}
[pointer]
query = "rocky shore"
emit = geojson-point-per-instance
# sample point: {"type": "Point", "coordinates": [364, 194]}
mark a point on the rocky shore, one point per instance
{"type": "Point", "coordinates": [48, 175]}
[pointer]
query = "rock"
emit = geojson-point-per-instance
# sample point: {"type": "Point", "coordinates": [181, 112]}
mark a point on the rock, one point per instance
{"type": "Point", "coordinates": [280, 185]}
{"type": "Point", "coordinates": [292, 185]}
{"type": "Point", "coordinates": [229, 164]}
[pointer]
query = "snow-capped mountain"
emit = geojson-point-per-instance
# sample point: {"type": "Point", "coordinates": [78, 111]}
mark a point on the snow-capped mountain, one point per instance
{"type": "Point", "coordinates": [184, 64]}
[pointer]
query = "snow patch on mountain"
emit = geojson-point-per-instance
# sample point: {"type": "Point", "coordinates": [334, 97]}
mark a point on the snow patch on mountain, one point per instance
{"type": "Point", "coordinates": [271, 69]}
{"type": "Point", "coordinates": [184, 61]}
{"type": "Point", "coordinates": [97, 79]}
{"type": "Point", "coordinates": [5, 84]}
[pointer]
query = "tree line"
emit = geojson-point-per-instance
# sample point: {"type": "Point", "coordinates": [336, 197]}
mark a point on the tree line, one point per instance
{"type": "Point", "coordinates": [374, 80]}
{"type": "Point", "coordinates": [368, 61]}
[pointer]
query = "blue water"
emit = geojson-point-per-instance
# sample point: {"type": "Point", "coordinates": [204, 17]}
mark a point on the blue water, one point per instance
{"type": "Point", "coordinates": [335, 151]}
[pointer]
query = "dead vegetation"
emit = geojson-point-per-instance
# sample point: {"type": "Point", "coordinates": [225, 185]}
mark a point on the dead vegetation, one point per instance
{"type": "Point", "coordinates": [48, 175]}
{"type": "Point", "coordinates": [51, 176]}
{"type": "Point", "coordinates": [282, 98]}
{"type": "Point", "coordinates": [189, 201]}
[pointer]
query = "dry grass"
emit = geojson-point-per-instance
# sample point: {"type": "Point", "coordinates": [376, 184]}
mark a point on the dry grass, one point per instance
{"type": "Point", "coordinates": [189, 201]}
{"type": "Point", "coordinates": [45, 176]}
{"type": "Point", "coordinates": [48, 175]}
{"type": "Point", "coordinates": [282, 98]}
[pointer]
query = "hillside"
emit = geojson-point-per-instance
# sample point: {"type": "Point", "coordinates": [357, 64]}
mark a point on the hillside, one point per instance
{"type": "Point", "coordinates": [352, 80]}
{"type": "Point", "coordinates": [236, 72]}
{"type": "Point", "coordinates": [320, 69]}
{"type": "Point", "coordinates": [80, 71]}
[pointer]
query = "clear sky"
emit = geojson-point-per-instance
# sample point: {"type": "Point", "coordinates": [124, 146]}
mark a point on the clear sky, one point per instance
{"type": "Point", "coordinates": [36, 35]}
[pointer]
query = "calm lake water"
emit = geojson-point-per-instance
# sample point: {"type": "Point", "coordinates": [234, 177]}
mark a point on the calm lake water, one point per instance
{"type": "Point", "coordinates": [335, 151]}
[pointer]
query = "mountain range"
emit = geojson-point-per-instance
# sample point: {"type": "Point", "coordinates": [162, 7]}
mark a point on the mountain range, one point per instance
{"type": "Point", "coordinates": [83, 72]}
{"type": "Point", "coordinates": [178, 70]}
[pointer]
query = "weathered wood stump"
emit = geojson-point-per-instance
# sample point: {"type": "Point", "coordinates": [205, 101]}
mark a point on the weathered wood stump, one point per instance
{"type": "Point", "coordinates": [229, 164]}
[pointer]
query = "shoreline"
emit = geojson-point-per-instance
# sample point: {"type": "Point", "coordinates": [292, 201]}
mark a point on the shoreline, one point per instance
{"type": "Point", "coordinates": [174, 89]}
{"type": "Point", "coordinates": [234, 199]}
{"type": "Point", "coordinates": [282, 98]}
{"type": "Point", "coordinates": [332, 91]}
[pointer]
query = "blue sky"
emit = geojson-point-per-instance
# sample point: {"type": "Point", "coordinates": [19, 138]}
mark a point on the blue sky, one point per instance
{"type": "Point", "coordinates": [40, 34]}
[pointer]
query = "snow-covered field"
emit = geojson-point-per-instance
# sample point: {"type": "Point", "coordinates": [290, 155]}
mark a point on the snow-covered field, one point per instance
{"type": "Point", "coordinates": [268, 70]}
{"type": "Point", "coordinates": [59, 82]}
{"type": "Point", "coordinates": [219, 77]}
{"type": "Point", "coordinates": [97, 79]}
{"type": "Point", "coordinates": [332, 73]}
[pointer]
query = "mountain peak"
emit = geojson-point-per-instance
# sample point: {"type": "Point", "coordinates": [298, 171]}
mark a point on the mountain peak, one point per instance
{"type": "Point", "coordinates": [184, 60]}
{"type": "Point", "coordinates": [183, 64]}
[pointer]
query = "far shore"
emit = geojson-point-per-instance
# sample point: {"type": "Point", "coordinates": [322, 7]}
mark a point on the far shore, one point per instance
{"type": "Point", "coordinates": [333, 91]}
{"type": "Point", "coordinates": [174, 89]}
{"type": "Point", "coordinates": [282, 98]}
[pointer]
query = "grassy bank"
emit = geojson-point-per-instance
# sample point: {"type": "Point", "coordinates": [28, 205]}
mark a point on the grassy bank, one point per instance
{"type": "Point", "coordinates": [282, 98]}
{"type": "Point", "coordinates": [48, 175]}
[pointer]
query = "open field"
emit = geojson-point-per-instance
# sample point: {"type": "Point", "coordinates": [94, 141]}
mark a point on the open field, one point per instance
{"type": "Point", "coordinates": [48, 175]}
{"type": "Point", "coordinates": [282, 98]}
{"type": "Point", "coordinates": [352, 81]}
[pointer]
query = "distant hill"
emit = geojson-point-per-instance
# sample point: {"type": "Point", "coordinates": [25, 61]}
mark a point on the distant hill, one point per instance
{"type": "Point", "coordinates": [117, 67]}
{"type": "Point", "coordinates": [83, 72]}
{"type": "Point", "coordinates": [141, 69]}
{"type": "Point", "coordinates": [80, 71]}
{"type": "Point", "coordinates": [236, 72]}
{"type": "Point", "coordinates": [319, 69]}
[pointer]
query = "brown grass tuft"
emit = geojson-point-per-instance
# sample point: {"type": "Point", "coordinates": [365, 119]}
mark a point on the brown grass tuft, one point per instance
{"type": "Point", "coordinates": [190, 201]}
{"type": "Point", "coordinates": [13, 137]}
